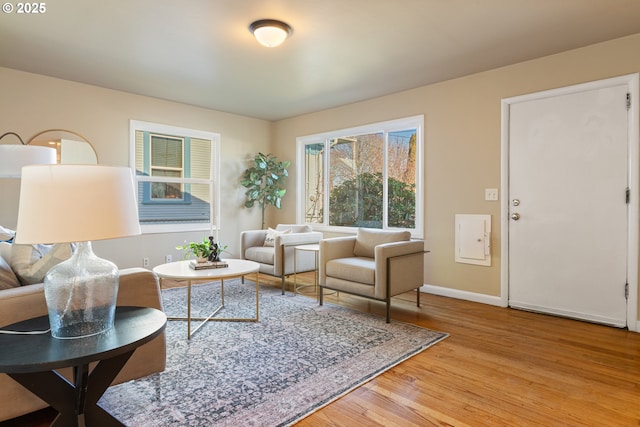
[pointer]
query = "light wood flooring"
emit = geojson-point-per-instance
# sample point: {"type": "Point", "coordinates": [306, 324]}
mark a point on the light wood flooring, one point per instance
{"type": "Point", "coordinates": [498, 367]}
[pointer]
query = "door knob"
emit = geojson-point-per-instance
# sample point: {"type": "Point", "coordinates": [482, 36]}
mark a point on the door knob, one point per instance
{"type": "Point", "coordinates": [515, 216]}
{"type": "Point", "coordinates": [515, 202]}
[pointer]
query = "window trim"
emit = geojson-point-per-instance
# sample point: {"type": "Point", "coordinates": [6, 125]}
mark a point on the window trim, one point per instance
{"type": "Point", "coordinates": [213, 181]}
{"type": "Point", "coordinates": [387, 127]}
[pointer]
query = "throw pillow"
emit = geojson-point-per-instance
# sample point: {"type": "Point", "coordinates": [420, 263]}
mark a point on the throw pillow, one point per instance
{"type": "Point", "coordinates": [31, 262]}
{"type": "Point", "coordinates": [367, 239]}
{"type": "Point", "coordinates": [7, 278]}
{"type": "Point", "coordinates": [271, 236]}
{"type": "Point", "coordinates": [6, 235]}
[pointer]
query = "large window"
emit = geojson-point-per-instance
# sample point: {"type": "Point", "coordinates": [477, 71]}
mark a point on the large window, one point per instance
{"type": "Point", "coordinates": [369, 176]}
{"type": "Point", "coordinates": [175, 170]}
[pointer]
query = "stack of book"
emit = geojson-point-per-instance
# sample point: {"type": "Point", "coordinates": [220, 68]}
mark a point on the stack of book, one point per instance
{"type": "Point", "coordinates": [208, 264]}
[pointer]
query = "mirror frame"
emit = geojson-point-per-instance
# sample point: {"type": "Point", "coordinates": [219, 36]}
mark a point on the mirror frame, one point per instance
{"type": "Point", "coordinates": [82, 138]}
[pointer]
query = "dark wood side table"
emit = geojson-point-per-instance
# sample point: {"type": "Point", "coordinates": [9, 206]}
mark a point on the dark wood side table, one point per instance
{"type": "Point", "coordinates": [32, 361]}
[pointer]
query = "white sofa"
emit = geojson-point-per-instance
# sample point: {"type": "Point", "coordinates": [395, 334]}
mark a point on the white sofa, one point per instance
{"type": "Point", "coordinates": [138, 287]}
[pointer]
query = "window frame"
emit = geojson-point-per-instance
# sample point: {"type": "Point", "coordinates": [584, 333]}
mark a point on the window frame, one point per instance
{"type": "Point", "coordinates": [387, 127]}
{"type": "Point", "coordinates": [213, 181]}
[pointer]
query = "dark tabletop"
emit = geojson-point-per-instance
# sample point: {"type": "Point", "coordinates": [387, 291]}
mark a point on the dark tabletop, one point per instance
{"type": "Point", "coordinates": [133, 327]}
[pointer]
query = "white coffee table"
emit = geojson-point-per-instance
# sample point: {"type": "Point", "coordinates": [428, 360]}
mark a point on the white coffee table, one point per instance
{"type": "Point", "coordinates": [180, 270]}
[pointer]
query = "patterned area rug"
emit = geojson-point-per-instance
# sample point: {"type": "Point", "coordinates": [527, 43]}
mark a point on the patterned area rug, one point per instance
{"type": "Point", "coordinates": [298, 358]}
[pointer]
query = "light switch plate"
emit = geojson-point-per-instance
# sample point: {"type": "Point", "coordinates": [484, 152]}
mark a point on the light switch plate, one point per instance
{"type": "Point", "coordinates": [491, 194]}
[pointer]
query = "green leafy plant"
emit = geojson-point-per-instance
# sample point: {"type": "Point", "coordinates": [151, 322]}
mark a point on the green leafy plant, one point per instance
{"type": "Point", "coordinates": [198, 249]}
{"type": "Point", "coordinates": [264, 181]}
{"type": "Point", "coordinates": [201, 249]}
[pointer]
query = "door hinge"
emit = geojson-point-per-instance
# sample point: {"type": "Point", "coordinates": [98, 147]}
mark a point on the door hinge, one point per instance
{"type": "Point", "coordinates": [626, 291]}
{"type": "Point", "coordinates": [627, 196]}
{"type": "Point", "coordinates": [628, 101]}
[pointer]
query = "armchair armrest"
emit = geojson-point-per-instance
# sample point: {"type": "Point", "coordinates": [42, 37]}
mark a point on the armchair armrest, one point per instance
{"type": "Point", "coordinates": [139, 287]}
{"type": "Point", "coordinates": [388, 250]}
{"type": "Point", "coordinates": [295, 239]}
{"type": "Point", "coordinates": [283, 246]}
{"type": "Point", "coordinates": [406, 263]}
{"type": "Point", "coordinates": [22, 303]}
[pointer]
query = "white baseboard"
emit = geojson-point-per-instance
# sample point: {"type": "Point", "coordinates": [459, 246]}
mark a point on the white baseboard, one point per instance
{"type": "Point", "coordinates": [485, 299]}
{"type": "Point", "coordinates": [464, 295]}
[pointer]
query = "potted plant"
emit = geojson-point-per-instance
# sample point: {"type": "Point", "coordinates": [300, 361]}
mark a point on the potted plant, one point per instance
{"type": "Point", "coordinates": [264, 181]}
{"type": "Point", "coordinates": [204, 251]}
{"type": "Point", "coordinates": [201, 250]}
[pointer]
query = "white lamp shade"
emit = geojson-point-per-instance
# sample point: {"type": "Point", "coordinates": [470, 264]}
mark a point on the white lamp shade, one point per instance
{"type": "Point", "coordinates": [14, 157]}
{"type": "Point", "coordinates": [76, 203]}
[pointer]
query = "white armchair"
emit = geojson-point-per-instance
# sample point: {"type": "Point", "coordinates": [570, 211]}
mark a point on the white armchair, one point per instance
{"type": "Point", "coordinates": [273, 249]}
{"type": "Point", "coordinates": [376, 264]}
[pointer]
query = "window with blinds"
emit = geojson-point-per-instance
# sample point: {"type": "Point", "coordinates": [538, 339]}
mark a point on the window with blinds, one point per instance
{"type": "Point", "coordinates": [174, 170]}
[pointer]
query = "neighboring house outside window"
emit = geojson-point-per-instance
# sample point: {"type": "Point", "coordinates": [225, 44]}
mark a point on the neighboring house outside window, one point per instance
{"type": "Point", "coordinates": [175, 170]}
{"type": "Point", "coordinates": [368, 176]}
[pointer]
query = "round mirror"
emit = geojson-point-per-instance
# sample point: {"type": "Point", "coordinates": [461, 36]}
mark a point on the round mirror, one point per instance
{"type": "Point", "coordinates": [71, 147]}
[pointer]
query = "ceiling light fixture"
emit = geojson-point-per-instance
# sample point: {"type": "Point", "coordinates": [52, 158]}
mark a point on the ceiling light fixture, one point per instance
{"type": "Point", "coordinates": [270, 32]}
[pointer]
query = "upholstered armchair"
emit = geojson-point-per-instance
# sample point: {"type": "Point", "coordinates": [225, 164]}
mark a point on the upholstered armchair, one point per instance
{"type": "Point", "coordinates": [273, 249]}
{"type": "Point", "coordinates": [376, 264]}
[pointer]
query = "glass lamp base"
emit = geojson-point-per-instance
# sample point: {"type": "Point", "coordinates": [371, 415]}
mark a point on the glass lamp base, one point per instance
{"type": "Point", "coordinates": [81, 294]}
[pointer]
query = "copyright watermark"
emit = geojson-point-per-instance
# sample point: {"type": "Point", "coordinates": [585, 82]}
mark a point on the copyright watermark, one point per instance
{"type": "Point", "coordinates": [24, 8]}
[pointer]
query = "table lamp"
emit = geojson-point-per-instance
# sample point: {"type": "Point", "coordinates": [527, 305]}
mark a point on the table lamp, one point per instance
{"type": "Point", "coordinates": [78, 203]}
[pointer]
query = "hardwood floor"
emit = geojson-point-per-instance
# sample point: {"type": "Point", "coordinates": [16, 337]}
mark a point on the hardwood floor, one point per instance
{"type": "Point", "coordinates": [498, 367]}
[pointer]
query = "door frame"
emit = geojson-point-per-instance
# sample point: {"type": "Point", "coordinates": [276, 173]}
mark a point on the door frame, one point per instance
{"type": "Point", "coordinates": [632, 82]}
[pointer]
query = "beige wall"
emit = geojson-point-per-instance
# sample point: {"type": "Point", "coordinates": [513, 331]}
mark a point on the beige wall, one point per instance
{"type": "Point", "coordinates": [462, 153]}
{"type": "Point", "coordinates": [31, 103]}
{"type": "Point", "coordinates": [462, 138]}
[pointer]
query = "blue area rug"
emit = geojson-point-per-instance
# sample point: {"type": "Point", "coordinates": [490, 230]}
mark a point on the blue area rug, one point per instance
{"type": "Point", "coordinates": [298, 358]}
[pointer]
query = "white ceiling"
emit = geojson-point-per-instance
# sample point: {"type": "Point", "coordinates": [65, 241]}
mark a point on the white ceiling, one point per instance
{"type": "Point", "coordinates": [201, 52]}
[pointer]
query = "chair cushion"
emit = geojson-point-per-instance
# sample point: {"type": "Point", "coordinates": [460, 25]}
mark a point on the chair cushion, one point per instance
{"type": "Point", "coordinates": [271, 236]}
{"type": "Point", "coordinates": [356, 269]}
{"type": "Point", "coordinates": [261, 254]}
{"type": "Point", "coordinates": [367, 239]}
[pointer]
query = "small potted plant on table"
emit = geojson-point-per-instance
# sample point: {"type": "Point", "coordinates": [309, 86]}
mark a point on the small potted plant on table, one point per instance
{"type": "Point", "coordinates": [200, 250]}
{"type": "Point", "coordinates": [207, 253]}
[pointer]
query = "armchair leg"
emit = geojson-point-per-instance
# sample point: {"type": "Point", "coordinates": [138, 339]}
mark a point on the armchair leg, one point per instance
{"type": "Point", "coordinates": [418, 297]}
{"type": "Point", "coordinates": [388, 310]}
{"type": "Point", "coordinates": [283, 284]}
{"type": "Point", "coordinates": [320, 295]}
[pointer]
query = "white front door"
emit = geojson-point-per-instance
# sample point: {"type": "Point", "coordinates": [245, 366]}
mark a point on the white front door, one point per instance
{"type": "Point", "coordinates": [568, 178]}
